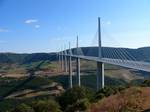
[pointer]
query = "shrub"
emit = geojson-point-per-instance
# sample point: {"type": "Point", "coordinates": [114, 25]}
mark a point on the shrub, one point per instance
{"type": "Point", "coordinates": [73, 95]}
{"type": "Point", "coordinates": [46, 106]}
{"type": "Point", "coordinates": [146, 83]}
{"type": "Point", "coordinates": [80, 105]}
{"type": "Point", "coordinates": [105, 92]}
{"type": "Point", "coordinates": [23, 108]}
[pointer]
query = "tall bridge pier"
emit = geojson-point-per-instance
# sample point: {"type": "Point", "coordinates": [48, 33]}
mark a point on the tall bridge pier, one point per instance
{"type": "Point", "coordinates": [68, 58]}
{"type": "Point", "coordinates": [100, 65]}
{"type": "Point", "coordinates": [59, 60]}
{"type": "Point", "coordinates": [70, 67]}
{"type": "Point", "coordinates": [65, 63]}
{"type": "Point", "coordinates": [78, 65]}
{"type": "Point", "coordinates": [123, 59]}
{"type": "Point", "coordinates": [62, 61]}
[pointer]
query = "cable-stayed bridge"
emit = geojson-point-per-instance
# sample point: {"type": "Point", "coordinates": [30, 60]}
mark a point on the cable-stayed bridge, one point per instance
{"type": "Point", "coordinates": [144, 66]}
{"type": "Point", "coordinates": [120, 57]}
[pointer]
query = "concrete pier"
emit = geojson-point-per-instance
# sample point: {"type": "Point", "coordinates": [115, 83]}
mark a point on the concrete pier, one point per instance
{"type": "Point", "coordinates": [78, 71]}
{"type": "Point", "coordinates": [78, 65]}
{"type": "Point", "coordinates": [70, 66]}
{"type": "Point", "coordinates": [100, 75]}
{"type": "Point", "coordinates": [100, 65]}
{"type": "Point", "coordinates": [70, 71]}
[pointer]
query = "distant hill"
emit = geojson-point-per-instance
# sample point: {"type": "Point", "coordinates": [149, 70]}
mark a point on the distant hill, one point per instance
{"type": "Point", "coordinates": [38, 57]}
{"type": "Point", "coordinates": [141, 54]}
{"type": "Point", "coordinates": [25, 58]}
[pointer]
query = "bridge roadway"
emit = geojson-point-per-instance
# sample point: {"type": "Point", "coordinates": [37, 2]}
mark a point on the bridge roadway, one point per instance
{"type": "Point", "coordinates": [138, 65]}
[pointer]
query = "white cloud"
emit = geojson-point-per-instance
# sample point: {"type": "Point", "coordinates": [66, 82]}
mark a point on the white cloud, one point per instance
{"type": "Point", "coordinates": [33, 22]}
{"type": "Point", "coordinates": [37, 26]}
{"type": "Point", "coordinates": [4, 30]}
{"type": "Point", "coordinates": [30, 21]}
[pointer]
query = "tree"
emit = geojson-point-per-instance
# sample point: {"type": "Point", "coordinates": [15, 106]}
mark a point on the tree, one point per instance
{"type": "Point", "coordinates": [105, 92]}
{"type": "Point", "coordinates": [146, 83]}
{"type": "Point", "coordinates": [23, 108]}
{"type": "Point", "coordinates": [46, 106]}
{"type": "Point", "coordinates": [72, 96]}
{"type": "Point", "coordinates": [80, 105]}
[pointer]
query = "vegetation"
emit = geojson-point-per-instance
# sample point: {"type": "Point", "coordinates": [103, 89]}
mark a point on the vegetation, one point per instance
{"type": "Point", "coordinates": [80, 105]}
{"type": "Point", "coordinates": [25, 58]}
{"type": "Point", "coordinates": [72, 100]}
{"type": "Point", "coordinates": [134, 99]}
{"type": "Point", "coordinates": [82, 99]}
{"type": "Point", "coordinates": [87, 81]}
{"type": "Point", "coordinates": [7, 84]}
{"type": "Point", "coordinates": [146, 83]}
{"type": "Point", "coordinates": [74, 97]}
{"type": "Point", "coordinates": [46, 105]}
{"type": "Point", "coordinates": [23, 108]}
{"type": "Point", "coordinates": [139, 54]}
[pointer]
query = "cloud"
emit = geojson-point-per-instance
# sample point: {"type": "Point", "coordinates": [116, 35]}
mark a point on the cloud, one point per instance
{"type": "Point", "coordinates": [4, 30]}
{"type": "Point", "coordinates": [30, 21]}
{"type": "Point", "coordinates": [37, 26]}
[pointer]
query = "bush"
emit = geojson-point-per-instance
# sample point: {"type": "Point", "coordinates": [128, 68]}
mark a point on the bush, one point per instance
{"type": "Point", "coordinates": [23, 108]}
{"type": "Point", "coordinates": [46, 106]}
{"type": "Point", "coordinates": [105, 92]}
{"type": "Point", "coordinates": [73, 95]}
{"type": "Point", "coordinates": [146, 83]}
{"type": "Point", "coordinates": [80, 105]}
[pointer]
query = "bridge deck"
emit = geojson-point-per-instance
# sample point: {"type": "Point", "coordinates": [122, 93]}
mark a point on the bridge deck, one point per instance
{"type": "Point", "coordinates": [138, 65]}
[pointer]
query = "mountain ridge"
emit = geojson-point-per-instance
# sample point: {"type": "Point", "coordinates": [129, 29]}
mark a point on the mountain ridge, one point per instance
{"type": "Point", "coordinates": [141, 54]}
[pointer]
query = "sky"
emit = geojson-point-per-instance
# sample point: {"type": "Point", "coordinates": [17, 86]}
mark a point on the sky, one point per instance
{"type": "Point", "coordinates": [29, 26]}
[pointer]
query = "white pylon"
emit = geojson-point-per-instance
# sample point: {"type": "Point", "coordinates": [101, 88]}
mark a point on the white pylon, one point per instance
{"type": "Point", "coordinates": [70, 66]}
{"type": "Point", "coordinates": [100, 65]}
{"type": "Point", "coordinates": [78, 65]}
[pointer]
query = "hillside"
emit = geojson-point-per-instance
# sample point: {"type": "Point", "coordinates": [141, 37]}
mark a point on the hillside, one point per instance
{"type": "Point", "coordinates": [142, 54]}
{"type": "Point", "coordinates": [134, 99]}
{"type": "Point", "coordinates": [14, 68]}
{"type": "Point", "coordinates": [25, 58]}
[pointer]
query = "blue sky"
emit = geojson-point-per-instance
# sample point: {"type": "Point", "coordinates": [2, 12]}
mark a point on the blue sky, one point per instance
{"type": "Point", "coordinates": [46, 25]}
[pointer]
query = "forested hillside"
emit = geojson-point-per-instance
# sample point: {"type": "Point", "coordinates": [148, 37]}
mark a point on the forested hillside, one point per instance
{"type": "Point", "coordinates": [141, 54]}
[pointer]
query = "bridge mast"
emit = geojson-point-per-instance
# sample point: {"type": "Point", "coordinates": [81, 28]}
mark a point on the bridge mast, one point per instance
{"type": "Point", "coordinates": [70, 67]}
{"type": "Point", "coordinates": [62, 60]}
{"type": "Point", "coordinates": [59, 60]}
{"type": "Point", "coordinates": [100, 65]}
{"type": "Point", "coordinates": [78, 65]}
{"type": "Point", "coordinates": [65, 57]}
